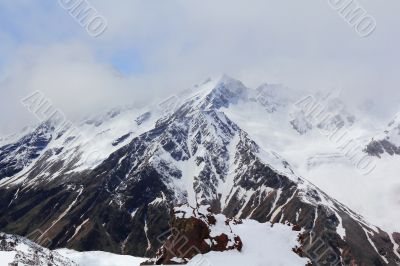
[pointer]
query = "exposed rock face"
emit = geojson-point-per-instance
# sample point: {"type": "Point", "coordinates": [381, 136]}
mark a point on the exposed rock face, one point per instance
{"type": "Point", "coordinates": [193, 232]}
{"type": "Point", "coordinates": [195, 155]}
{"type": "Point", "coordinates": [377, 148]}
{"type": "Point", "coordinates": [388, 142]}
{"type": "Point", "coordinates": [16, 156]}
{"type": "Point", "coordinates": [396, 238]}
{"type": "Point", "coordinates": [142, 118]}
{"type": "Point", "coordinates": [26, 252]}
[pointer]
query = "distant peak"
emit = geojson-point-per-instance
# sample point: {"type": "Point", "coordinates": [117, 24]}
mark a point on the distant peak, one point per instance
{"type": "Point", "coordinates": [228, 80]}
{"type": "Point", "coordinates": [226, 91]}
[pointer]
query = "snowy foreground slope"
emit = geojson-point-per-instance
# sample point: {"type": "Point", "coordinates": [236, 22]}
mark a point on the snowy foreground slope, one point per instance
{"type": "Point", "coordinates": [99, 258]}
{"type": "Point", "coordinates": [19, 251]}
{"type": "Point", "coordinates": [109, 182]}
{"type": "Point", "coordinates": [265, 245]}
{"type": "Point", "coordinates": [203, 238]}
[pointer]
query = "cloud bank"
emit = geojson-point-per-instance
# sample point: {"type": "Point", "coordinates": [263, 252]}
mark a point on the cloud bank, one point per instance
{"type": "Point", "coordinates": [155, 48]}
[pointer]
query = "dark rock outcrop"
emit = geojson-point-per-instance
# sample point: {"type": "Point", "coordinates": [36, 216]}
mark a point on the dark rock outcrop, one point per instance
{"type": "Point", "coordinates": [378, 147]}
{"type": "Point", "coordinates": [16, 156]}
{"type": "Point", "coordinates": [192, 234]}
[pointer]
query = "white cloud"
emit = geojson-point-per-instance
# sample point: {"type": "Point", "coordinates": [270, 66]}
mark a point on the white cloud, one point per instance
{"type": "Point", "coordinates": [179, 43]}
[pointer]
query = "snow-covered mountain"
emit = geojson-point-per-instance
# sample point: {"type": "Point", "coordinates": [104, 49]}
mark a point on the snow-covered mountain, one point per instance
{"type": "Point", "coordinates": [109, 182]}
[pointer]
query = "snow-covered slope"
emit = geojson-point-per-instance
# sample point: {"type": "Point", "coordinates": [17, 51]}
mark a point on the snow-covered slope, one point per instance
{"type": "Point", "coordinates": [16, 250]}
{"type": "Point", "coordinates": [55, 150]}
{"type": "Point", "coordinates": [200, 237]}
{"type": "Point", "coordinates": [264, 244]}
{"type": "Point", "coordinates": [99, 258]}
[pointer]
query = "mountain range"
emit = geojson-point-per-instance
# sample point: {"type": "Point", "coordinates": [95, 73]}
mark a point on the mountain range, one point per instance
{"type": "Point", "coordinates": [109, 182]}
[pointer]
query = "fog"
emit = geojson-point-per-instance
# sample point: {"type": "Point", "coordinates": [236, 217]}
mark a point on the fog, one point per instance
{"type": "Point", "coordinates": [151, 49]}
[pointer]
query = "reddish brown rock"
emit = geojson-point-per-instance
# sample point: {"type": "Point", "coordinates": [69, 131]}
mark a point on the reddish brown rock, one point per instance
{"type": "Point", "coordinates": [233, 221]}
{"type": "Point", "coordinates": [296, 228]}
{"type": "Point", "coordinates": [190, 235]}
{"type": "Point", "coordinates": [211, 219]}
{"type": "Point", "coordinates": [238, 243]}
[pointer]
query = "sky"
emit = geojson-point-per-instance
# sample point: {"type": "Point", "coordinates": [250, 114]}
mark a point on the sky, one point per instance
{"type": "Point", "coordinates": [153, 49]}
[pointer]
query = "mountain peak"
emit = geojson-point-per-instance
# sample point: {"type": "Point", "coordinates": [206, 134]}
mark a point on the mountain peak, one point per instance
{"type": "Point", "coordinates": [226, 79]}
{"type": "Point", "coordinates": [226, 91]}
